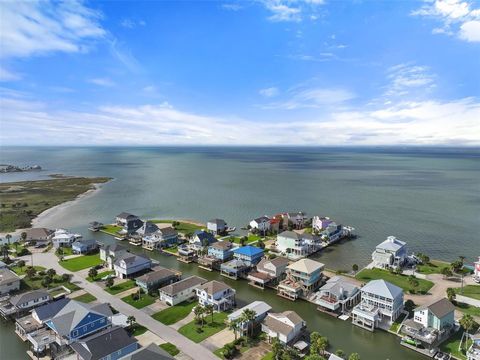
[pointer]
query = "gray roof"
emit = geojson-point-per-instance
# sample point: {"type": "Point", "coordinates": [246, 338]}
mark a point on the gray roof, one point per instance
{"type": "Point", "coordinates": [131, 259]}
{"type": "Point", "coordinates": [290, 234]}
{"type": "Point", "coordinates": [7, 276]}
{"type": "Point", "coordinates": [113, 247]}
{"type": "Point", "coordinates": [262, 219]}
{"type": "Point", "coordinates": [222, 245]}
{"type": "Point", "coordinates": [214, 286]}
{"type": "Point", "coordinates": [103, 343]}
{"type": "Point", "coordinates": [439, 308]}
{"type": "Point", "coordinates": [88, 242]}
{"type": "Point", "coordinates": [28, 296]}
{"type": "Point", "coordinates": [167, 231]}
{"type": "Point", "coordinates": [391, 244]}
{"type": "Point", "coordinates": [383, 288]}
{"type": "Point", "coordinates": [340, 287]}
{"type": "Point", "coordinates": [150, 352]}
{"type": "Point", "coordinates": [124, 215]}
{"type": "Point", "coordinates": [259, 307]}
{"type": "Point", "coordinates": [273, 322]}
{"type": "Point", "coordinates": [38, 233]}
{"type": "Point", "coordinates": [157, 275]}
{"type": "Point", "coordinates": [181, 285]}
{"type": "Point", "coordinates": [48, 311]}
{"type": "Point", "coordinates": [218, 222]}
{"type": "Point", "coordinates": [147, 228]}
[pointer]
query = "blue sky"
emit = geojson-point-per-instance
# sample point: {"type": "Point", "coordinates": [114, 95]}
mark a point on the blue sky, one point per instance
{"type": "Point", "coordinates": [280, 72]}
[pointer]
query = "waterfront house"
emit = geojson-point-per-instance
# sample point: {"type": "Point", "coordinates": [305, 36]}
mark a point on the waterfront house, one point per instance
{"type": "Point", "coordinates": [381, 304]}
{"type": "Point", "coordinates": [303, 277]}
{"type": "Point", "coordinates": [201, 239]}
{"type": "Point", "coordinates": [130, 264]}
{"type": "Point", "coordinates": [84, 246]}
{"type": "Point", "coordinates": [157, 278]}
{"type": "Point", "coordinates": [431, 324]}
{"type": "Point", "coordinates": [295, 245]}
{"type": "Point", "coordinates": [181, 291]}
{"type": "Point", "coordinates": [268, 272]}
{"type": "Point", "coordinates": [149, 352]}
{"type": "Point", "coordinates": [320, 223]}
{"type": "Point", "coordinates": [147, 229]}
{"type": "Point", "coordinates": [9, 281]}
{"type": "Point", "coordinates": [217, 226]}
{"type": "Point", "coordinates": [390, 253]}
{"type": "Point", "coordinates": [109, 253]}
{"type": "Point", "coordinates": [221, 250]}
{"type": "Point", "coordinates": [22, 303]}
{"type": "Point", "coordinates": [332, 233]}
{"type": "Point", "coordinates": [109, 344]}
{"type": "Point", "coordinates": [287, 327]}
{"type": "Point", "coordinates": [260, 224]}
{"type": "Point", "coordinates": [338, 295]}
{"type": "Point", "coordinates": [95, 226]}
{"type": "Point", "coordinates": [123, 218]}
{"type": "Point", "coordinates": [216, 293]}
{"type": "Point", "coordinates": [476, 268]}
{"type": "Point", "coordinates": [186, 254]}
{"type": "Point", "coordinates": [297, 219]}
{"type": "Point", "coordinates": [251, 255]}
{"type": "Point", "coordinates": [473, 352]}
{"type": "Point", "coordinates": [235, 269]}
{"type": "Point", "coordinates": [161, 238]}
{"type": "Point", "coordinates": [130, 223]}
{"type": "Point", "coordinates": [63, 238]}
{"type": "Point", "coordinates": [261, 310]}
{"type": "Point", "coordinates": [39, 236]}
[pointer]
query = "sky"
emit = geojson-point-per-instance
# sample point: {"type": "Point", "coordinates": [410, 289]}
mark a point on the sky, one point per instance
{"type": "Point", "coordinates": [266, 72]}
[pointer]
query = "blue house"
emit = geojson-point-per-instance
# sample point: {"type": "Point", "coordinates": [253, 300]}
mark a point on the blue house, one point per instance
{"type": "Point", "coordinates": [109, 344]}
{"type": "Point", "coordinates": [251, 255]}
{"type": "Point", "coordinates": [221, 250]}
{"type": "Point", "coordinates": [200, 239]}
{"type": "Point", "coordinates": [84, 246]}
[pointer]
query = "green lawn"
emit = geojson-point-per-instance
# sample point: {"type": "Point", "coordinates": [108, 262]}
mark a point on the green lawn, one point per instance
{"type": "Point", "coordinates": [138, 330]}
{"type": "Point", "coordinates": [451, 346]}
{"type": "Point", "coordinates": [183, 228]}
{"type": "Point", "coordinates": [472, 291]}
{"type": "Point", "coordinates": [172, 249]}
{"type": "Point", "coordinates": [175, 313]}
{"type": "Point", "coordinates": [81, 262]}
{"type": "Point", "coordinates": [468, 309]}
{"type": "Point", "coordinates": [433, 267]}
{"type": "Point", "coordinates": [100, 275]}
{"type": "Point", "coordinates": [85, 298]}
{"type": "Point", "coordinates": [65, 251]}
{"type": "Point", "coordinates": [396, 323]}
{"type": "Point", "coordinates": [400, 280]}
{"type": "Point", "coordinates": [198, 333]}
{"type": "Point", "coordinates": [116, 289]}
{"type": "Point", "coordinates": [21, 271]}
{"type": "Point", "coordinates": [170, 348]}
{"type": "Point", "coordinates": [251, 238]}
{"type": "Point", "coordinates": [144, 300]}
{"type": "Point", "coordinates": [57, 292]}
{"type": "Point", "coordinates": [35, 283]}
{"type": "Point", "coordinates": [111, 229]}
{"type": "Point", "coordinates": [268, 356]}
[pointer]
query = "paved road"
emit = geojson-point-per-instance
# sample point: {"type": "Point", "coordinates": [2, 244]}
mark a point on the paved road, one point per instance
{"type": "Point", "coordinates": [195, 351]}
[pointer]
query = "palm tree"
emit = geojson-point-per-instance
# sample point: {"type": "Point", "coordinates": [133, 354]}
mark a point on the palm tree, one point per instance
{"type": "Point", "coordinates": [314, 336]}
{"type": "Point", "coordinates": [248, 316]}
{"type": "Point", "coordinates": [234, 325]}
{"type": "Point", "coordinates": [451, 294]}
{"type": "Point", "coordinates": [322, 344]}
{"type": "Point", "coordinates": [23, 236]}
{"type": "Point", "coordinates": [467, 323]}
{"type": "Point", "coordinates": [198, 311]}
{"type": "Point", "coordinates": [5, 251]}
{"type": "Point", "coordinates": [209, 309]}
{"type": "Point", "coordinates": [8, 237]}
{"type": "Point", "coordinates": [131, 320]}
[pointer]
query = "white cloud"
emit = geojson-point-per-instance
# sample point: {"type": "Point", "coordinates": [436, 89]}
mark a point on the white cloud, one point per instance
{"type": "Point", "coordinates": [292, 10]}
{"type": "Point", "coordinates": [405, 77]}
{"type": "Point", "coordinates": [457, 17]}
{"type": "Point", "coordinates": [39, 27]}
{"type": "Point", "coordinates": [7, 75]}
{"type": "Point", "coordinates": [131, 24]}
{"type": "Point", "coordinates": [269, 92]}
{"type": "Point", "coordinates": [102, 82]}
{"type": "Point", "coordinates": [232, 6]}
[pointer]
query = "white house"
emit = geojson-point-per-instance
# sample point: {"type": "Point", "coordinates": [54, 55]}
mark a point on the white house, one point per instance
{"type": "Point", "coordinates": [180, 291]}
{"type": "Point", "coordinates": [381, 303]}
{"type": "Point", "coordinates": [261, 310]}
{"type": "Point", "coordinates": [9, 281]}
{"type": "Point", "coordinates": [31, 299]}
{"type": "Point", "coordinates": [337, 295]}
{"type": "Point", "coordinates": [216, 293]}
{"type": "Point", "coordinates": [390, 253]}
{"type": "Point", "coordinates": [286, 327]}
{"type": "Point", "coordinates": [477, 268]}
{"type": "Point", "coordinates": [295, 245]}
{"type": "Point", "coordinates": [217, 226]}
{"type": "Point", "coordinates": [320, 223]}
{"type": "Point", "coordinates": [130, 264]}
{"type": "Point", "coordinates": [262, 224]}
{"type": "Point", "coordinates": [109, 253]}
{"type": "Point", "coordinates": [161, 238]}
{"type": "Point", "coordinates": [63, 238]}
{"type": "Point", "coordinates": [437, 315]}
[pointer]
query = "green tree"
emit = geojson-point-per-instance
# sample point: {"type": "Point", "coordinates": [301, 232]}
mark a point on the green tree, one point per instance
{"type": "Point", "coordinates": [409, 305]}
{"type": "Point", "coordinates": [30, 272]}
{"type": "Point", "coordinates": [340, 353]}
{"type": "Point", "coordinates": [8, 237]}
{"type": "Point", "coordinates": [109, 282]}
{"type": "Point", "coordinates": [47, 280]}
{"type": "Point", "coordinates": [243, 240]}
{"type": "Point", "coordinates": [92, 273]}
{"type": "Point", "coordinates": [322, 344]}
{"type": "Point", "coordinates": [314, 336]}
{"type": "Point", "coordinates": [456, 266]}
{"type": "Point", "coordinates": [131, 321]}
{"type": "Point", "coordinates": [209, 310]}
{"type": "Point", "coordinates": [248, 316]}
{"type": "Point", "coordinates": [446, 272]}
{"type": "Point", "coordinates": [413, 282]}
{"type": "Point", "coordinates": [66, 277]}
{"type": "Point", "coordinates": [51, 272]}
{"type": "Point", "coordinates": [234, 325]}
{"type": "Point", "coordinates": [198, 311]}
{"type": "Point", "coordinates": [5, 251]}
{"type": "Point", "coordinates": [467, 322]}
{"type": "Point", "coordinates": [277, 348]}
{"type": "Point", "coordinates": [313, 357]}
{"type": "Point", "coordinates": [260, 244]}
{"type": "Point", "coordinates": [21, 264]}
{"type": "Point", "coordinates": [354, 268]}
{"type": "Point", "coordinates": [354, 356]}
{"type": "Point", "coordinates": [451, 294]}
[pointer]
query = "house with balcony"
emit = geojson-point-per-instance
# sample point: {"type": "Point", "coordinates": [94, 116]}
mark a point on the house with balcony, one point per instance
{"type": "Point", "coordinates": [338, 295]}
{"type": "Point", "coordinates": [109, 344]}
{"type": "Point", "coordinates": [110, 253]}
{"type": "Point", "coordinates": [390, 253]}
{"type": "Point", "coordinates": [147, 229]}
{"type": "Point", "coordinates": [269, 272]}
{"type": "Point", "coordinates": [200, 240]}
{"type": "Point", "coordinates": [130, 223]}
{"type": "Point", "coordinates": [161, 238]}
{"type": "Point", "coordinates": [320, 223]}
{"type": "Point", "coordinates": [260, 224]}
{"type": "Point", "coordinates": [9, 281]}
{"type": "Point", "coordinates": [123, 218]}
{"type": "Point", "coordinates": [287, 327]}
{"type": "Point", "coordinates": [431, 323]}
{"type": "Point", "coordinates": [23, 303]}
{"type": "Point", "coordinates": [251, 255]}
{"type": "Point", "coordinates": [244, 258]}
{"type": "Point", "coordinates": [217, 226]}
{"type": "Point", "coordinates": [64, 238]}
{"type": "Point", "coordinates": [303, 278]}
{"type": "Point", "coordinates": [84, 246]}
{"type": "Point", "coordinates": [380, 305]}
{"type": "Point", "coordinates": [295, 245]}
{"type": "Point", "coordinates": [216, 293]}
{"type": "Point", "coordinates": [221, 250]}
{"type": "Point", "coordinates": [332, 233]}
{"type": "Point", "coordinates": [157, 278]}
{"type": "Point", "coordinates": [180, 291]}
{"type": "Point", "coordinates": [39, 236]}
{"type": "Point", "coordinates": [130, 264]}
{"type": "Point", "coordinates": [261, 310]}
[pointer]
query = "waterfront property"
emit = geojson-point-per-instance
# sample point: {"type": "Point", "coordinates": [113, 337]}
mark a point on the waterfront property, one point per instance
{"type": "Point", "coordinates": [38, 236]}
{"type": "Point", "coordinates": [217, 226]}
{"type": "Point", "coordinates": [22, 303]}
{"type": "Point", "coordinates": [234, 269]}
{"type": "Point", "coordinates": [295, 245]}
{"type": "Point", "coordinates": [63, 238]}
{"type": "Point", "coordinates": [123, 218]}
{"type": "Point", "coordinates": [130, 223]}
{"type": "Point", "coordinates": [161, 238]}
{"type": "Point", "coordinates": [147, 229]}
{"type": "Point", "coordinates": [332, 233]}
{"type": "Point", "coordinates": [268, 272]}
{"type": "Point", "coordinates": [149, 352]}
{"type": "Point", "coordinates": [320, 223]}
{"type": "Point", "coordinates": [251, 255]}
{"type": "Point", "coordinates": [157, 278]}
{"type": "Point", "coordinates": [381, 304]}
{"type": "Point", "coordinates": [260, 224]}
{"type": "Point", "coordinates": [130, 264]}
{"type": "Point", "coordinates": [390, 253]}
{"type": "Point", "coordinates": [112, 344]}
{"type": "Point", "coordinates": [261, 310]}
{"type": "Point", "coordinates": [297, 219]}
{"type": "Point", "coordinates": [95, 226]}
{"type": "Point", "coordinates": [108, 253]}
{"type": "Point", "coordinates": [221, 250]}
{"type": "Point", "coordinates": [9, 281]}
{"type": "Point", "coordinates": [201, 239]}
{"type": "Point", "coordinates": [84, 246]}
{"type": "Point", "coordinates": [181, 291]}
{"type": "Point", "coordinates": [216, 293]}
{"type": "Point", "coordinates": [337, 295]}
{"type": "Point", "coordinates": [287, 327]}
{"type": "Point", "coordinates": [186, 254]}
{"type": "Point", "coordinates": [303, 278]}
{"type": "Point", "coordinates": [431, 324]}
